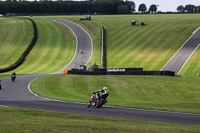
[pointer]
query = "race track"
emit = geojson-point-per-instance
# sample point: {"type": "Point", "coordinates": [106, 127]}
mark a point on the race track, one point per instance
{"type": "Point", "coordinates": [17, 94]}
{"type": "Point", "coordinates": [83, 46]}
{"type": "Point", "coordinates": [180, 58]}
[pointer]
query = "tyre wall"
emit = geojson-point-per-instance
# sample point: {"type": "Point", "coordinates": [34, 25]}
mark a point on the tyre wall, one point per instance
{"type": "Point", "coordinates": [26, 52]}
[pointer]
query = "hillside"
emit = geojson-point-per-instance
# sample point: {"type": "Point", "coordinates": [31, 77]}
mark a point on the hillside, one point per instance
{"type": "Point", "coordinates": [15, 36]}
{"type": "Point", "coordinates": [149, 46]}
{"type": "Point", "coordinates": [53, 50]}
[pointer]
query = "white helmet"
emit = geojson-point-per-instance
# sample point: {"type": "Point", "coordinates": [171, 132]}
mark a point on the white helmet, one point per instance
{"type": "Point", "coordinates": [105, 89]}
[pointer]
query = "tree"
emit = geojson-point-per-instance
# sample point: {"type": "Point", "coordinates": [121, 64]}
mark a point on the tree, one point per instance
{"type": "Point", "coordinates": [123, 9]}
{"type": "Point", "coordinates": [131, 5]}
{"type": "Point", "coordinates": [180, 8]}
{"type": "Point", "coordinates": [153, 9]}
{"type": "Point", "coordinates": [67, 6]}
{"type": "Point", "coordinates": [142, 8]}
{"type": "Point", "coordinates": [190, 8]}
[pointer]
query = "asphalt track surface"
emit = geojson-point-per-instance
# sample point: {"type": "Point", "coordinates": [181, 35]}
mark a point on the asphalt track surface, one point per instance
{"type": "Point", "coordinates": [83, 46]}
{"type": "Point", "coordinates": [17, 94]}
{"type": "Point", "coordinates": [180, 58]}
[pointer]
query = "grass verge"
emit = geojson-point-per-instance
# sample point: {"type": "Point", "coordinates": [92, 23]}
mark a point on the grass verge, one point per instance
{"type": "Point", "coordinates": [15, 36]}
{"type": "Point", "coordinates": [34, 121]}
{"type": "Point", "coordinates": [149, 46]}
{"type": "Point", "coordinates": [53, 50]}
{"type": "Point", "coordinates": [178, 94]}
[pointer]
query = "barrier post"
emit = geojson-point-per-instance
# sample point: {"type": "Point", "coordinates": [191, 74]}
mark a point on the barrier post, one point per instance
{"type": "Point", "coordinates": [65, 72]}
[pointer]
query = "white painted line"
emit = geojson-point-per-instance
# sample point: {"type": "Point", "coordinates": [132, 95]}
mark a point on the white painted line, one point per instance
{"type": "Point", "coordinates": [4, 106]}
{"type": "Point", "coordinates": [29, 88]}
{"type": "Point", "coordinates": [89, 37]}
{"type": "Point", "coordinates": [76, 43]}
{"type": "Point", "coordinates": [75, 50]}
{"type": "Point", "coordinates": [90, 40]}
{"type": "Point", "coordinates": [196, 30]}
{"type": "Point", "coordinates": [177, 52]}
{"type": "Point", "coordinates": [188, 59]}
{"type": "Point", "coordinates": [105, 105]}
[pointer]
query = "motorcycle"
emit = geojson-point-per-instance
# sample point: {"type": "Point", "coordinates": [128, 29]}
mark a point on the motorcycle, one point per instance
{"type": "Point", "coordinates": [99, 101]}
{"type": "Point", "coordinates": [13, 78]}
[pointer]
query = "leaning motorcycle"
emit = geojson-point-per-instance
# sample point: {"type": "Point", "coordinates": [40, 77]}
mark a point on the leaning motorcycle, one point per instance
{"type": "Point", "coordinates": [99, 102]}
{"type": "Point", "coordinates": [13, 78]}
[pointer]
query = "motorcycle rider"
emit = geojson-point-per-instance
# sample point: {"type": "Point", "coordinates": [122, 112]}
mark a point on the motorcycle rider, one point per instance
{"type": "Point", "coordinates": [96, 94]}
{"type": "Point", "coordinates": [13, 75]}
{"type": "Point", "coordinates": [81, 52]}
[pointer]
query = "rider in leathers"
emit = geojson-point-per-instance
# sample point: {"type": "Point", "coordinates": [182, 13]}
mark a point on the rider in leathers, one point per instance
{"type": "Point", "coordinates": [96, 94]}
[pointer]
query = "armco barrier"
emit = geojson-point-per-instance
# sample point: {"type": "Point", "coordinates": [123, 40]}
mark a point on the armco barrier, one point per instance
{"type": "Point", "coordinates": [26, 52]}
{"type": "Point", "coordinates": [162, 73]}
{"type": "Point", "coordinates": [105, 72]}
{"type": "Point", "coordinates": [124, 69]}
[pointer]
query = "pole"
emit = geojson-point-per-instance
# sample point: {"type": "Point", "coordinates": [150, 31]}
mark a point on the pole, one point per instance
{"type": "Point", "coordinates": [75, 65]}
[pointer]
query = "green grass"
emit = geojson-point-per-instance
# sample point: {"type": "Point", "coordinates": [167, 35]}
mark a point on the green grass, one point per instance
{"type": "Point", "coordinates": [94, 31]}
{"type": "Point", "coordinates": [192, 67]}
{"type": "Point", "coordinates": [149, 46]}
{"type": "Point", "coordinates": [34, 121]}
{"type": "Point", "coordinates": [54, 49]}
{"type": "Point", "coordinates": [178, 94]}
{"type": "Point", "coordinates": [15, 36]}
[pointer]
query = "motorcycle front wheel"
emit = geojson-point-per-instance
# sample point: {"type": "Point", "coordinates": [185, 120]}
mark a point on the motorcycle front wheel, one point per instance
{"type": "Point", "coordinates": [88, 104]}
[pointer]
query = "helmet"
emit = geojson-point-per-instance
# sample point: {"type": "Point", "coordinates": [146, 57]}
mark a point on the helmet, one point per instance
{"type": "Point", "coordinates": [105, 89]}
{"type": "Point", "coordinates": [94, 96]}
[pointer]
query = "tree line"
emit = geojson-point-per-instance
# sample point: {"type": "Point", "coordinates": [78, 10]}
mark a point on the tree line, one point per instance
{"type": "Point", "coordinates": [181, 9]}
{"type": "Point", "coordinates": [152, 9]}
{"type": "Point", "coordinates": [69, 7]}
{"type": "Point", "coordinates": [188, 8]}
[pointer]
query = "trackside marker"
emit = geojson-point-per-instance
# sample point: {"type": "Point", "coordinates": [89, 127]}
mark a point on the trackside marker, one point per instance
{"type": "Point", "coordinates": [65, 72]}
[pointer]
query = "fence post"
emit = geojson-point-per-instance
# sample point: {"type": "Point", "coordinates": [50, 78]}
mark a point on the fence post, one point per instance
{"type": "Point", "coordinates": [103, 49]}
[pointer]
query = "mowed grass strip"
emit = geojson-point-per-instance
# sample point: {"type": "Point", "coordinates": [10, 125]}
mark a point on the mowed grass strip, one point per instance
{"type": "Point", "coordinates": [149, 46]}
{"type": "Point", "coordinates": [15, 36]}
{"type": "Point", "coordinates": [94, 30]}
{"type": "Point", "coordinates": [53, 50]}
{"type": "Point", "coordinates": [179, 94]}
{"type": "Point", "coordinates": [192, 67]}
{"type": "Point", "coordinates": [34, 121]}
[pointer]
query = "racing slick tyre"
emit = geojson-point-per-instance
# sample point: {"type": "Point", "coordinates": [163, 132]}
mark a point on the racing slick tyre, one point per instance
{"type": "Point", "coordinates": [100, 103]}
{"type": "Point", "coordinates": [88, 104]}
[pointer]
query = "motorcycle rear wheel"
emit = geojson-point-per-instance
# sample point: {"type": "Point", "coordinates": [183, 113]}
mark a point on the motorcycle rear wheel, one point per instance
{"type": "Point", "coordinates": [100, 103]}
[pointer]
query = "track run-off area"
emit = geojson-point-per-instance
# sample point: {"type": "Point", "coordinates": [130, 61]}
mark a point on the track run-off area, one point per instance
{"type": "Point", "coordinates": [18, 94]}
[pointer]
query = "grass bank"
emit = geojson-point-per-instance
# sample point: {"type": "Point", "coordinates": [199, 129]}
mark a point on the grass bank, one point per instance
{"type": "Point", "coordinates": [53, 50]}
{"type": "Point", "coordinates": [149, 46]}
{"type": "Point", "coordinates": [15, 36]}
{"type": "Point", "coordinates": [34, 121]}
{"type": "Point", "coordinates": [94, 31]}
{"type": "Point", "coordinates": [179, 94]}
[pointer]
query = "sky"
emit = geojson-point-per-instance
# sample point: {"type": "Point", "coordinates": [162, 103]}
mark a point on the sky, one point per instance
{"type": "Point", "coordinates": [166, 5]}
